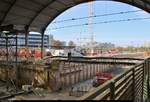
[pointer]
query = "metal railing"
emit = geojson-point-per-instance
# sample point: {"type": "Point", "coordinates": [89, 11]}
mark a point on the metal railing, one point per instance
{"type": "Point", "coordinates": [129, 85]}
{"type": "Point", "coordinates": [125, 59]}
{"type": "Point", "coordinates": [71, 72]}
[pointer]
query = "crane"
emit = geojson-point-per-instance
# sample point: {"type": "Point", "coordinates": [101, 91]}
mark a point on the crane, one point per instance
{"type": "Point", "coordinates": [90, 23]}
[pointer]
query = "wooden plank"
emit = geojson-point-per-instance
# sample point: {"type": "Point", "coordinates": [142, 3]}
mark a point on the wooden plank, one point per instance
{"type": "Point", "coordinates": [106, 97]}
{"type": "Point", "coordinates": [140, 69]}
{"type": "Point", "coordinates": [138, 85]}
{"type": "Point", "coordinates": [75, 76]}
{"type": "Point", "coordinates": [103, 95]}
{"type": "Point", "coordinates": [112, 90]}
{"type": "Point", "coordinates": [133, 87]}
{"type": "Point", "coordinates": [138, 82]}
{"type": "Point", "coordinates": [92, 65]}
{"type": "Point", "coordinates": [84, 72]}
{"type": "Point", "coordinates": [143, 83]}
{"type": "Point", "coordinates": [136, 72]}
{"type": "Point", "coordinates": [121, 81]}
{"type": "Point", "coordinates": [139, 91]}
{"type": "Point", "coordinates": [138, 95]}
{"type": "Point", "coordinates": [122, 93]}
{"type": "Point", "coordinates": [139, 66]}
{"type": "Point", "coordinates": [139, 76]}
{"type": "Point", "coordinates": [127, 94]}
{"type": "Point", "coordinates": [87, 69]}
{"type": "Point", "coordinates": [90, 70]}
{"type": "Point", "coordinates": [122, 75]}
{"type": "Point", "coordinates": [119, 90]}
{"type": "Point", "coordinates": [97, 66]}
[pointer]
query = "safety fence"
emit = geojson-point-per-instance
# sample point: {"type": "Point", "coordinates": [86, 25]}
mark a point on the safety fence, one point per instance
{"type": "Point", "coordinates": [129, 85]}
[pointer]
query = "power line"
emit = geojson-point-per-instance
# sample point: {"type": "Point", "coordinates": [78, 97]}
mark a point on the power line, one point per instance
{"type": "Point", "coordinates": [103, 22]}
{"type": "Point", "coordinates": [95, 16]}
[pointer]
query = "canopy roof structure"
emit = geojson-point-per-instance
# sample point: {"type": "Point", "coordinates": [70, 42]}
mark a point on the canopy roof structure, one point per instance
{"type": "Point", "coordinates": [36, 15]}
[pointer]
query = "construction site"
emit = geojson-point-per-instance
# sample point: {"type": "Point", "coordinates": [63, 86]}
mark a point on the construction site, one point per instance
{"type": "Point", "coordinates": [27, 74]}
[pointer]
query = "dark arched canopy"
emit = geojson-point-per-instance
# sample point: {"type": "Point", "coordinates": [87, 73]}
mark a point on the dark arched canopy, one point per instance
{"type": "Point", "coordinates": [37, 14]}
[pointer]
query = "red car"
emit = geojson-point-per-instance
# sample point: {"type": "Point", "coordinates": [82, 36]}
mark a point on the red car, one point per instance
{"type": "Point", "coordinates": [102, 77]}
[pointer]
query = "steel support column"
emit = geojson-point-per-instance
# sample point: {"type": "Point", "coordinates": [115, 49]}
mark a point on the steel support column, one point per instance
{"type": "Point", "coordinates": [7, 53]}
{"type": "Point", "coordinates": [42, 45]}
{"type": "Point", "coordinates": [16, 62]}
{"type": "Point", "coordinates": [26, 41]}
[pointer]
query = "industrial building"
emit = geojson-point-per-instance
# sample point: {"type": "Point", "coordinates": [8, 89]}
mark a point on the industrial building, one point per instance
{"type": "Point", "coordinates": [34, 41]}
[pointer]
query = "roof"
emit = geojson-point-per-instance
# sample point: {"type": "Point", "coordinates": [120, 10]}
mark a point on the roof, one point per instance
{"type": "Point", "coordinates": [38, 14]}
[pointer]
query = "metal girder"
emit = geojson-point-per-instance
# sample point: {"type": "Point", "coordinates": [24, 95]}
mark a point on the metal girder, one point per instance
{"type": "Point", "coordinates": [44, 28]}
{"type": "Point", "coordinates": [39, 12]}
{"type": "Point", "coordinates": [74, 1]}
{"type": "Point", "coordinates": [62, 3]}
{"type": "Point", "coordinates": [146, 3]}
{"type": "Point", "coordinates": [6, 28]}
{"type": "Point", "coordinates": [7, 12]}
{"type": "Point", "coordinates": [34, 1]}
{"type": "Point", "coordinates": [22, 6]}
{"type": "Point", "coordinates": [133, 3]}
{"type": "Point", "coordinates": [42, 5]}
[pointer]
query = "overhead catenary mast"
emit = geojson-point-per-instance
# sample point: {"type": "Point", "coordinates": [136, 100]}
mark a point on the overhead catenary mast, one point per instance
{"type": "Point", "coordinates": [90, 23]}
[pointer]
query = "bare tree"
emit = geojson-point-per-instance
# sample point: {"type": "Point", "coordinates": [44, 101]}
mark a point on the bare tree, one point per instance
{"type": "Point", "coordinates": [58, 44]}
{"type": "Point", "coordinates": [71, 44]}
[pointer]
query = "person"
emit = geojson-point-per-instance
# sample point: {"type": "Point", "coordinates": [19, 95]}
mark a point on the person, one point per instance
{"type": "Point", "coordinates": [69, 55]}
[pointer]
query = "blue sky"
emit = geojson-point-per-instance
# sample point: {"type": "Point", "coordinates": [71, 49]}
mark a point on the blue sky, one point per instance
{"type": "Point", "coordinates": [121, 33]}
